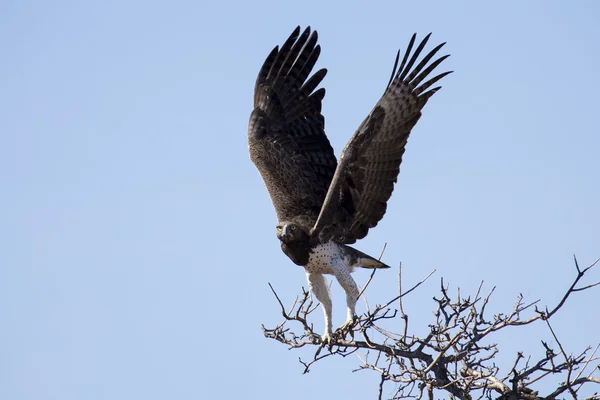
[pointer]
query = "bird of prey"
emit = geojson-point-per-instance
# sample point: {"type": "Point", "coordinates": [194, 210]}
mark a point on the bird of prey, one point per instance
{"type": "Point", "coordinates": [324, 204]}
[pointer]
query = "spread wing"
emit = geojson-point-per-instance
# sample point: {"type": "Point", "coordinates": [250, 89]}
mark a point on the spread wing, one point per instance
{"type": "Point", "coordinates": [286, 136]}
{"type": "Point", "coordinates": [370, 163]}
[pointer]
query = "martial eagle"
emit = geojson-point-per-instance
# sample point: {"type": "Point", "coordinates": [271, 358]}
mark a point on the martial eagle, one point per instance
{"type": "Point", "coordinates": [323, 205]}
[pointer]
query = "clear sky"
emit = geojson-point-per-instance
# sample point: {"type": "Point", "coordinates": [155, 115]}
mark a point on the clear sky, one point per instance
{"type": "Point", "coordinates": [137, 238]}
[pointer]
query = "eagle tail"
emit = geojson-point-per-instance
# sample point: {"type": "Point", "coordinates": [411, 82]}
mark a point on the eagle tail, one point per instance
{"type": "Point", "coordinates": [362, 260]}
{"type": "Point", "coordinates": [370, 263]}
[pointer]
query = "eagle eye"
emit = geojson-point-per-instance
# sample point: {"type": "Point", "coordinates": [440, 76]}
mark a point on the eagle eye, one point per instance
{"type": "Point", "coordinates": [293, 227]}
{"type": "Point", "coordinates": [279, 228]}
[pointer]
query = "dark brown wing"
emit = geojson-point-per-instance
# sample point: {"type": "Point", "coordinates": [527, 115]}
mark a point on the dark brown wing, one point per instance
{"type": "Point", "coordinates": [286, 136]}
{"type": "Point", "coordinates": [370, 162]}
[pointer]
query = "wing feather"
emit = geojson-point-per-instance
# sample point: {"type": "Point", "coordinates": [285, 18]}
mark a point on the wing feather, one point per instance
{"type": "Point", "coordinates": [286, 136]}
{"type": "Point", "coordinates": [370, 163]}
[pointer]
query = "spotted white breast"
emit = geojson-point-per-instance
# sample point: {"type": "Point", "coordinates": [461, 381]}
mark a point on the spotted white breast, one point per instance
{"type": "Point", "coordinates": [323, 256]}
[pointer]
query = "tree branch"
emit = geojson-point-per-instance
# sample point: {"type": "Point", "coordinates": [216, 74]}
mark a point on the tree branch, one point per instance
{"type": "Point", "coordinates": [455, 356]}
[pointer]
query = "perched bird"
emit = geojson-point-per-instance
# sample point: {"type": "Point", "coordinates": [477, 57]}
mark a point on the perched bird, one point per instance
{"type": "Point", "coordinates": [323, 204]}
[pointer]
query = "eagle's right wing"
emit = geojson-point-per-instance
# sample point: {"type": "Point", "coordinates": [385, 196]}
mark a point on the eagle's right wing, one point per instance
{"type": "Point", "coordinates": [370, 162]}
{"type": "Point", "coordinates": [286, 137]}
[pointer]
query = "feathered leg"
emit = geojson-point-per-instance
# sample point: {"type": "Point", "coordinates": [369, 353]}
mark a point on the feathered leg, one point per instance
{"type": "Point", "coordinates": [318, 285]}
{"type": "Point", "coordinates": [342, 274]}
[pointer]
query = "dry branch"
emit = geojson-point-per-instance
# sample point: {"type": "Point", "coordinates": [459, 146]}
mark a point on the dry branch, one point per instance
{"type": "Point", "coordinates": [453, 357]}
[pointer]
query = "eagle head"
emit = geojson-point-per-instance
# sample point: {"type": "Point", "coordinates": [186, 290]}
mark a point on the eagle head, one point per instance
{"type": "Point", "coordinates": [290, 232]}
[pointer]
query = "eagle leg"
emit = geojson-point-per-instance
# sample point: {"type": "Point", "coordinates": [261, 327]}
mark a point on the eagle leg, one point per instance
{"type": "Point", "coordinates": [342, 273]}
{"type": "Point", "coordinates": [318, 286]}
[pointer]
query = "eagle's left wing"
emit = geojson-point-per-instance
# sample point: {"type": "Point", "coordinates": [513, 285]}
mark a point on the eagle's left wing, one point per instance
{"type": "Point", "coordinates": [370, 163]}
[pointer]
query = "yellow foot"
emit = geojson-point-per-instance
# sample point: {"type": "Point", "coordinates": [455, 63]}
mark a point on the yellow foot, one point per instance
{"type": "Point", "coordinates": [327, 338]}
{"type": "Point", "coordinates": [347, 327]}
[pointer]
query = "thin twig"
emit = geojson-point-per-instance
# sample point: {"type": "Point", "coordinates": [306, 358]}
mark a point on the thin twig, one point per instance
{"type": "Point", "coordinates": [454, 356]}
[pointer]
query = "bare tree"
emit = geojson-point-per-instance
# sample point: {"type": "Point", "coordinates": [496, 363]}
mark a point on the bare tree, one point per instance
{"type": "Point", "coordinates": [453, 356]}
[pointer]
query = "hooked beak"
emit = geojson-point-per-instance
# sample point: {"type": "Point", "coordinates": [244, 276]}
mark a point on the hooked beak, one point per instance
{"type": "Point", "coordinates": [285, 233]}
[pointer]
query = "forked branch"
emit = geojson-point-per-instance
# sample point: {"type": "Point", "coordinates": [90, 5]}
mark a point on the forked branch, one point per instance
{"type": "Point", "coordinates": [456, 356]}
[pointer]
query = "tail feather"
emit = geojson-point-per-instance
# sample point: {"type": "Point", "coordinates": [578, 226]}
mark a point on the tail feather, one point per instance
{"type": "Point", "coordinates": [362, 260]}
{"type": "Point", "coordinates": [370, 262]}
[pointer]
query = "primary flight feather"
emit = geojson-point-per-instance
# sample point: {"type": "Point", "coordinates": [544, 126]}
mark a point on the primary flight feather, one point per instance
{"type": "Point", "coordinates": [323, 204]}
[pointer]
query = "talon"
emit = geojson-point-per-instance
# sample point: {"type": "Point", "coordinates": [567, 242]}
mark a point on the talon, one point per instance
{"type": "Point", "coordinates": [348, 327]}
{"type": "Point", "coordinates": [327, 338]}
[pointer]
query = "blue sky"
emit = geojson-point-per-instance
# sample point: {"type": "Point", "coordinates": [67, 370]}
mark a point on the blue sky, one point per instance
{"type": "Point", "coordinates": [137, 238]}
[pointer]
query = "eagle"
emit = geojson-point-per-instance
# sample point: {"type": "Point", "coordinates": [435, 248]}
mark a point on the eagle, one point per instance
{"type": "Point", "coordinates": [324, 204]}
